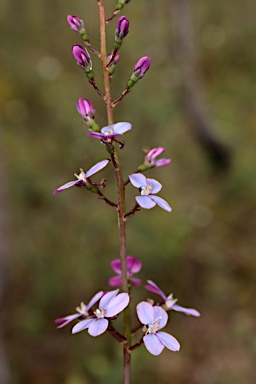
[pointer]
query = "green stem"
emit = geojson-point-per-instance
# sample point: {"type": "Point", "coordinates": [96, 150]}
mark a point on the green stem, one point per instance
{"type": "Point", "coordinates": [121, 192]}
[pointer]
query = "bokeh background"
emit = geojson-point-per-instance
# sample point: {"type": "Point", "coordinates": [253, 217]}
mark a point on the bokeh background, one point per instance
{"type": "Point", "coordinates": [198, 101]}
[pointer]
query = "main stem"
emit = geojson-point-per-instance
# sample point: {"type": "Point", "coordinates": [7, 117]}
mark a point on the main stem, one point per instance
{"type": "Point", "coordinates": [121, 192]}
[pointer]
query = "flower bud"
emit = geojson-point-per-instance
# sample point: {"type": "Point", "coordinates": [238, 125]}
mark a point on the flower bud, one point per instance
{"type": "Point", "coordinates": [78, 25]}
{"type": "Point", "coordinates": [122, 28]}
{"type": "Point", "coordinates": [139, 70]}
{"type": "Point", "coordinates": [113, 62]}
{"type": "Point", "coordinates": [82, 57]}
{"type": "Point", "coordinates": [86, 109]}
{"type": "Point", "coordinates": [121, 4]}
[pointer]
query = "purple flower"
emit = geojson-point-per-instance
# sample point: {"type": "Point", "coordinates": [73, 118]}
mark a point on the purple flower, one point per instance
{"type": "Point", "coordinates": [82, 177]}
{"type": "Point", "coordinates": [133, 266]}
{"type": "Point", "coordinates": [150, 158]}
{"type": "Point", "coordinates": [81, 56]}
{"type": "Point", "coordinates": [83, 311]}
{"type": "Point", "coordinates": [148, 188]}
{"type": "Point", "coordinates": [169, 301]}
{"type": "Point", "coordinates": [141, 67]}
{"type": "Point", "coordinates": [75, 23]}
{"type": "Point", "coordinates": [155, 318]}
{"type": "Point", "coordinates": [86, 109]}
{"type": "Point", "coordinates": [110, 305]}
{"type": "Point", "coordinates": [122, 28]}
{"type": "Point", "coordinates": [108, 133]}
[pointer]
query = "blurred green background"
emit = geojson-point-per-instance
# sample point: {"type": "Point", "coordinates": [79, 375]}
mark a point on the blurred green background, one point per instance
{"type": "Point", "coordinates": [56, 250]}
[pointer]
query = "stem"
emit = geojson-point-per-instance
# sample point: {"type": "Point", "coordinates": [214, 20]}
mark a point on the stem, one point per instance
{"type": "Point", "coordinates": [121, 193]}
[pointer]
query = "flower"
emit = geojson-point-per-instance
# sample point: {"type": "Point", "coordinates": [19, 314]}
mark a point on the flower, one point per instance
{"type": "Point", "coordinates": [155, 318]}
{"type": "Point", "coordinates": [82, 57]}
{"type": "Point", "coordinates": [122, 28]}
{"type": "Point", "coordinates": [83, 311]}
{"type": "Point", "coordinates": [152, 154]}
{"type": "Point", "coordinates": [108, 133]}
{"type": "Point", "coordinates": [170, 302]}
{"type": "Point", "coordinates": [141, 67]}
{"type": "Point", "coordinates": [75, 23]}
{"type": "Point", "coordinates": [110, 305]}
{"type": "Point", "coordinates": [133, 266]}
{"type": "Point", "coordinates": [86, 109]}
{"type": "Point", "coordinates": [82, 177]}
{"type": "Point", "coordinates": [148, 188]}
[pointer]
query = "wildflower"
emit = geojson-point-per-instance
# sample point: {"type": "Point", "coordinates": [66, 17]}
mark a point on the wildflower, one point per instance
{"type": "Point", "coordinates": [82, 177]}
{"type": "Point", "coordinates": [148, 189]}
{"type": "Point", "coordinates": [139, 70]}
{"type": "Point", "coordinates": [110, 305]}
{"type": "Point", "coordinates": [75, 23]}
{"type": "Point", "coordinates": [122, 28]}
{"type": "Point", "coordinates": [82, 57]}
{"type": "Point", "coordinates": [169, 301]}
{"type": "Point", "coordinates": [155, 318]}
{"type": "Point", "coordinates": [133, 266]}
{"type": "Point", "coordinates": [82, 311]}
{"type": "Point", "coordinates": [151, 158]}
{"type": "Point", "coordinates": [110, 132]}
{"type": "Point", "coordinates": [86, 109]}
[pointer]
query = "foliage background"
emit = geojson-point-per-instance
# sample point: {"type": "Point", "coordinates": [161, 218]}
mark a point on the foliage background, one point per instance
{"type": "Point", "coordinates": [60, 247]}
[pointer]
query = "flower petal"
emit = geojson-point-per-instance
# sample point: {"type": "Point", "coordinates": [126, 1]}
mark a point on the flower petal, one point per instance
{"type": "Point", "coordinates": [97, 167]}
{"type": "Point", "coordinates": [152, 287]}
{"type": "Point", "coordinates": [161, 202]}
{"type": "Point", "coordinates": [116, 266]}
{"type": "Point", "coordinates": [98, 327]}
{"type": "Point", "coordinates": [107, 298]}
{"type": "Point", "coordinates": [133, 265]}
{"type": "Point", "coordinates": [115, 281]}
{"type": "Point", "coordinates": [117, 304]}
{"type": "Point", "coordinates": [65, 186]}
{"type": "Point", "coordinates": [94, 300]}
{"type": "Point", "coordinates": [66, 320]}
{"type": "Point", "coordinates": [96, 135]}
{"type": "Point", "coordinates": [122, 127]}
{"type": "Point", "coordinates": [153, 344]}
{"type": "Point", "coordinates": [145, 202]}
{"type": "Point", "coordinates": [138, 180]}
{"type": "Point", "coordinates": [161, 316]}
{"type": "Point", "coordinates": [187, 311]}
{"type": "Point", "coordinates": [162, 162]}
{"type": "Point", "coordinates": [135, 282]}
{"type": "Point", "coordinates": [145, 312]}
{"type": "Point", "coordinates": [153, 153]}
{"type": "Point", "coordinates": [82, 325]}
{"type": "Point", "coordinates": [156, 186]}
{"type": "Point", "coordinates": [168, 341]}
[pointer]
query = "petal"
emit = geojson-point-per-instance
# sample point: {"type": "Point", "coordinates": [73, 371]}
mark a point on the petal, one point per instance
{"type": "Point", "coordinates": [153, 344]}
{"type": "Point", "coordinates": [96, 135]}
{"type": "Point", "coordinates": [117, 304]}
{"type": "Point", "coordinates": [169, 341]}
{"type": "Point", "coordinates": [156, 186]}
{"type": "Point", "coordinates": [66, 320]}
{"type": "Point", "coordinates": [94, 300]}
{"type": "Point", "coordinates": [152, 287]}
{"type": "Point", "coordinates": [133, 265]}
{"type": "Point", "coordinates": [187, 311]}
{"type": "Point", "coordinates": [153, 153]}
{"type": "Point", "coordinates": [135, 282]}
{"type": "Point", "coordinates": [145, 312]}
{"type": "Point", "coordinates": [138, 180]}
{"type": "Point", "coordinates": [107, 297]}
{"type": "Point", "coordinates": [97, 327]}
{"type": "Point", "coordinates": [82, 325]}
{"type": "Point", "coordinates": [116, 266]}
{"type": "Point", "coordinates": [97, 167]}
{"type": "Point", "coordinates": [121, 128]}
{"type": "Point", "coordinates": [145, 201]}
{"type": "Point", "coordinates": [160, 315]}
{"type": "Point", "coordinates": [115, 281]}
{"type": "Point", "coordinates": [65, 186]}
{"type": "Point", "coordinates": [161, 202]}
{"type": "Point", "coordinates": [162, 162]}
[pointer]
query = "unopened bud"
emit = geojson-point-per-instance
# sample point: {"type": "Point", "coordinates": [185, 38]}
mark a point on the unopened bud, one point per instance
{"type": "Point", "coordinates": [81, 56]}
{"type": "Point", "coordinates": [122, 29]}
{"type": "Point", "coordinates": [121, 4]}
{"type": "Point", "coordinates": [139, 70]}
{"type": "Point", "coordinates": [86, 109]}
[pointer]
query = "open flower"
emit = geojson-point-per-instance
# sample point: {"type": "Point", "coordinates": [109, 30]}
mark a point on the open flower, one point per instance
{"type": "Point", "coordinates": [111, 131]}
{"type": "Point", "coordinates": [110, 305]}
{"type": "Point", "coordinates": [155, 318]}
{"type": "Point", "coordinates": [150, 158]}
{"type": "Point", "coordinates": [82, 311]}
{"type": "Point", "coordinates": [82, 177]}
{"type": "Point", "coordinates": [133, 266]}
{"type": "Point", "coordinates": [148, 188]}
{"type": "Point", "coordinates": [169, 301]}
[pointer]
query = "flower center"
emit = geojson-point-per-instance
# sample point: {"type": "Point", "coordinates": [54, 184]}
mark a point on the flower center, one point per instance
{"type": "Point", "coordinates": [153, 327]}
{"type": "Point", "coordinates": [110, 131]}
{"type": "Point", "coordinates": [81, 175]}
{"type": "Point", "coordinates": [82, 309]}
{"type": "Point", "coordinates": [145, 191]}
{"type": "Point", "coordinates": [100, 313]}
{"type": "Point", "coordinates": [170, 301]}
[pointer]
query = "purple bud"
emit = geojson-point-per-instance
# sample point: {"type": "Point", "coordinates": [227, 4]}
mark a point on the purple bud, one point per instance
{"type": "Point", "coordinates": [86, 109]}
{"type": "Point", "coordinates": [115, 61]}
{"type": "Point", "coordinates": [122, 28]}
{"type": "Point", "coordinates": [75, 23]}
{"type": "Point", "coordinates": [81, 56]}
{"type": "Point", "coordinates": [141, 67]}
